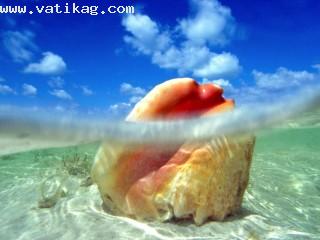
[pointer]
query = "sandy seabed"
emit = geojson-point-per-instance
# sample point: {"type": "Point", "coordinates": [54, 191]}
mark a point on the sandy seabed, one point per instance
{"type": "Point", "coordinates": [281, 202]}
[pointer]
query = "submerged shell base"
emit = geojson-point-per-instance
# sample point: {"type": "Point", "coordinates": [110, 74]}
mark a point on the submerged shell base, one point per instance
{"type": "Point", "coordinates": [209, 185]}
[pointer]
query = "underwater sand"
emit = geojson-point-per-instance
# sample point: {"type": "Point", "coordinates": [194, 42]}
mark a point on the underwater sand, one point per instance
{"type": "Point", "coordinates": [281, 202]}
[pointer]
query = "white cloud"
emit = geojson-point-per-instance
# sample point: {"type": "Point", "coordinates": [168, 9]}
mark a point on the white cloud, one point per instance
{"type": "Point", "coordinates": [50, 64]}
{"type": "Point", "coordinates": [5, 89]}
{"type": "Point", "coordinates": [135, 93]}
{"type": "Point", "coordinates": [201, 62]}
{"type": "Point", "coordinates": [19, 45]}
{"type": "Point", "coordinates": [29, 90]}
{"type": "Point", "coordinates": [316, 66]}
{"type": "Point", "coordinates": [175, 58]}
{"type": "Point", "coordinates": [120, 109]}
{"type": "Point", "coordinates": [134, 99]}
{"type": "Point", "coordinates": [60, 93]}
{"type": "Point", "coordinates": [222, 82]}
{"type": "Point", "coordinates": [146, 36]}
{"type": "Point", "coordinates": [118, 106]}
{"type": "Point", "coordinates": [269, 86]}
{"type": "Point", "coordinates": [86, 91]}
{"type": "Point", "coordinates": [56, 82]}
{"type": "Point", "coordinates": [127, 88]}
{"type": "Point", "coordinates": [59, 108]}
{"type": "Point", "coordinates": [224, 64]}
{"type": "Point", "coordinates": [282, 78]}
{"type": "Point", "coordinates": [212, 24]}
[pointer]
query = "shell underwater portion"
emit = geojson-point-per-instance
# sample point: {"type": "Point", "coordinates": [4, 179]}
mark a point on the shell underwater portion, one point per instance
{"type": "Point", "coordinates": [191, 180]}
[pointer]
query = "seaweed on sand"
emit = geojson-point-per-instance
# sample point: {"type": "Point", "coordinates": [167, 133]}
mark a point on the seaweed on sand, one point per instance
{"type": "Point", "coordinates": [77, 165]}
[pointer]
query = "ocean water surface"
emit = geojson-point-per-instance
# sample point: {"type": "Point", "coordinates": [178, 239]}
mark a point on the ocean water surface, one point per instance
{"type": "Point", "coordinates": [47, 194]}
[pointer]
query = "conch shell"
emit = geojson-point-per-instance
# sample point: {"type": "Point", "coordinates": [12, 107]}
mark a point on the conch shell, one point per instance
{"type": "Point", "coordinates": [198, 180]}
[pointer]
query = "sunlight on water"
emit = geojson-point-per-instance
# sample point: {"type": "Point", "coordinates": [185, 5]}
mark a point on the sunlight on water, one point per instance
{"type": "Point", "coordinates": [47, 194]}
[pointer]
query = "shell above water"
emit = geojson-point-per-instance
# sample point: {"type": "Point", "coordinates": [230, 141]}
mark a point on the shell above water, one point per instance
{"type": "Point", "coordinates": [200, 180]}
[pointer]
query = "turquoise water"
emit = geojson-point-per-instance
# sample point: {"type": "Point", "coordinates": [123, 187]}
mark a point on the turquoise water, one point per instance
{"type": "Point", "coordinates": [46, 194]}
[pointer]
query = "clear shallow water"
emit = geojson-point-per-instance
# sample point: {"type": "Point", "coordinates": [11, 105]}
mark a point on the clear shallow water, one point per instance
{"type": "Point", "coordinates": [281, 202]}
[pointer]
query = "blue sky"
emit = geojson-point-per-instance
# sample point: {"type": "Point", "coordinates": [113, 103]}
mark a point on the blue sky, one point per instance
{"type": "Point", "coordinates": [103, 64]}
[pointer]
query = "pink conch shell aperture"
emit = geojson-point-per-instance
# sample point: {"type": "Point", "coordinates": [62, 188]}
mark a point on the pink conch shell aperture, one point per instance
{"type": "Point", "coordinates": [196, 180]}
